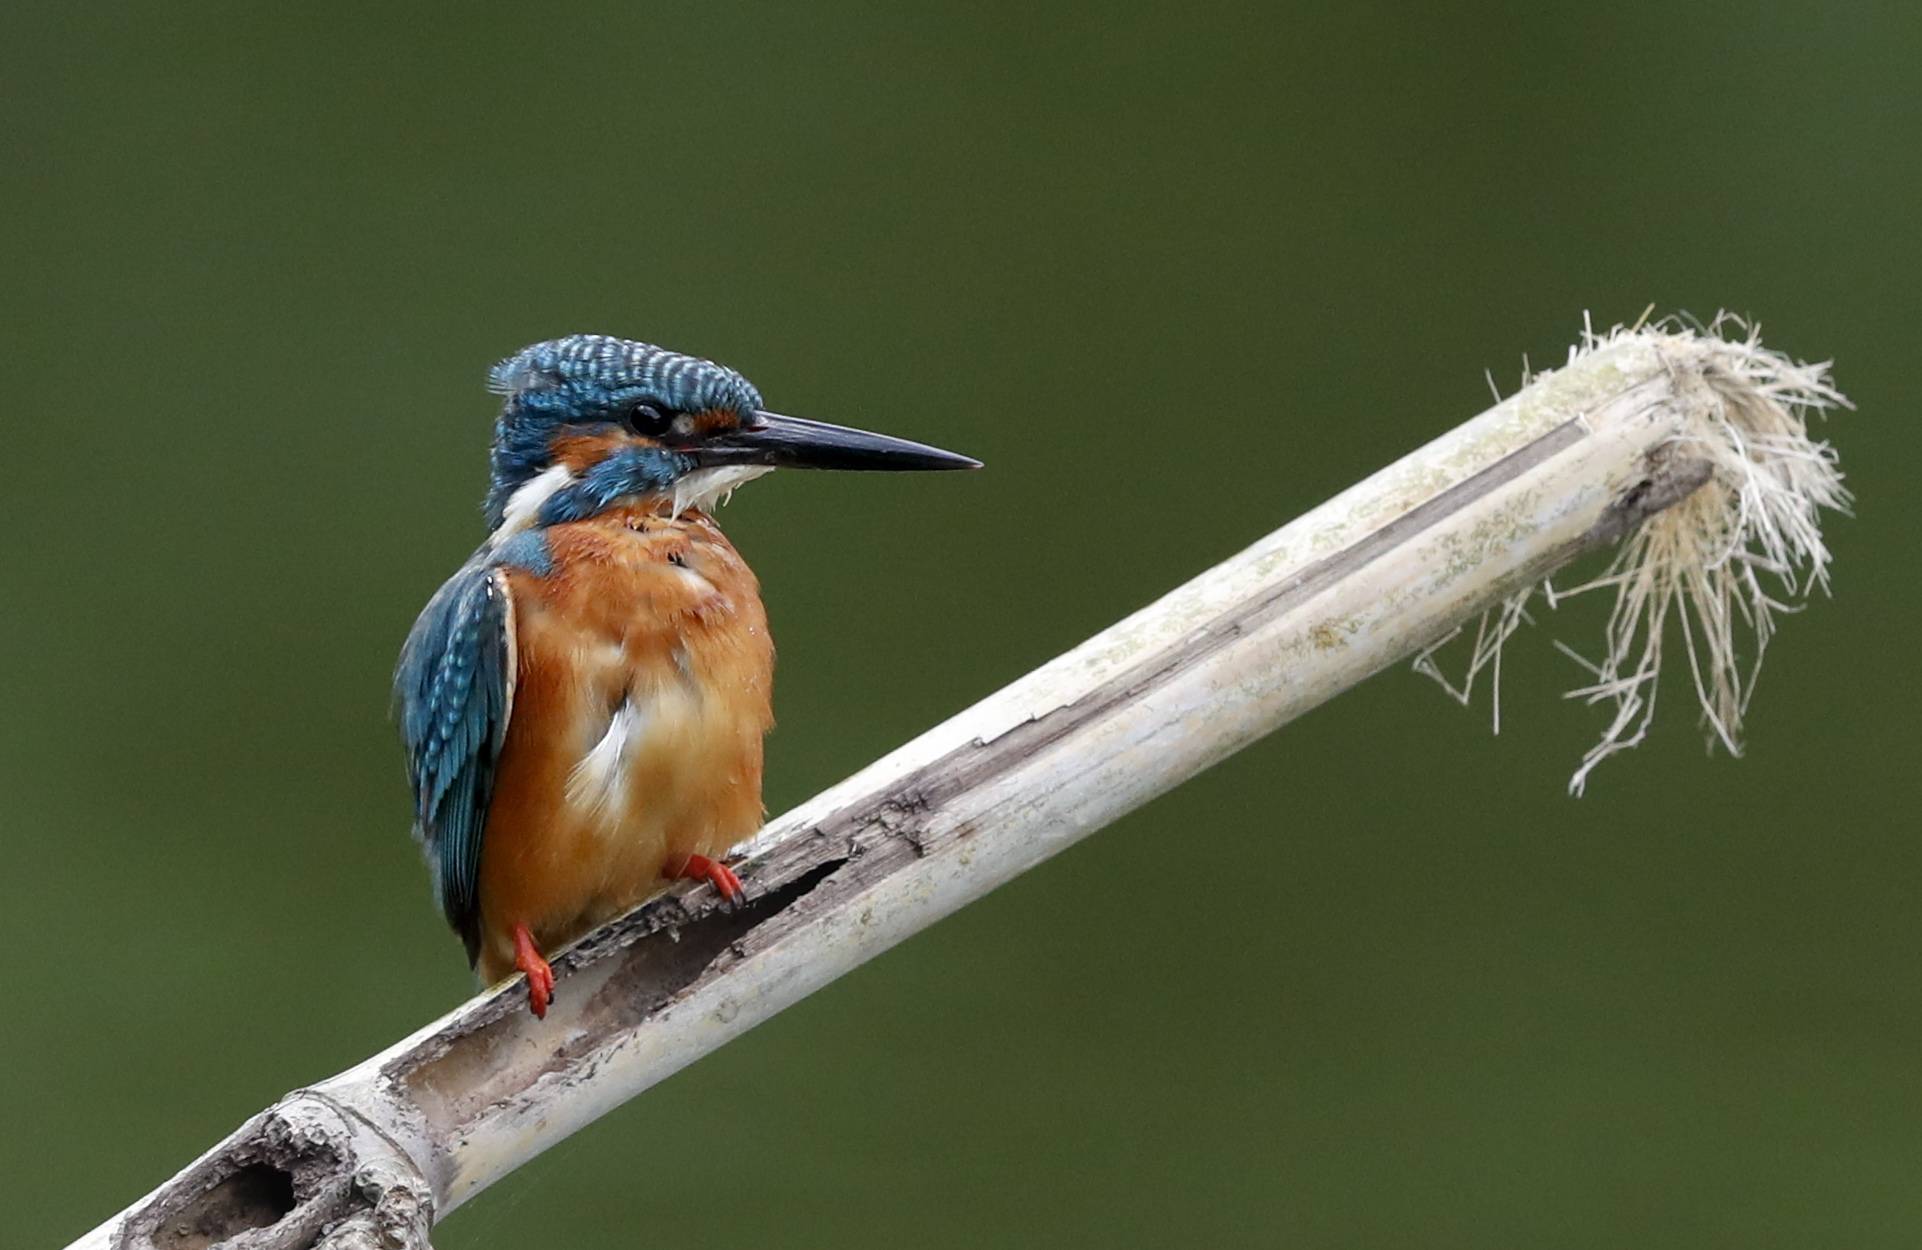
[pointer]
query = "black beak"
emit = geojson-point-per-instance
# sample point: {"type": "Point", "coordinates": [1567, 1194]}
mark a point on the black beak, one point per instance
{"type": "Point", "coordinates": [796, 443]}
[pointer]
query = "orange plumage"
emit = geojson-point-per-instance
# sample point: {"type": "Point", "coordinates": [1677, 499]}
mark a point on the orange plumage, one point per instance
{"type": "Point", "coordinates": [644, 673]}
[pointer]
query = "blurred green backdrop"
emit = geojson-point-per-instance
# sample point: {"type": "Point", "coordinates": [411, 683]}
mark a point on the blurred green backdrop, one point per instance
{"type": "Point", "coordinates": [257, 260]}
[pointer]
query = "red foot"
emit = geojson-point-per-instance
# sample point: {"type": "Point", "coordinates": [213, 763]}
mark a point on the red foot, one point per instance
{"type": "Point", "coordinates": [540, 977]}
{"type": "Point", "coordinates": [715, 873]}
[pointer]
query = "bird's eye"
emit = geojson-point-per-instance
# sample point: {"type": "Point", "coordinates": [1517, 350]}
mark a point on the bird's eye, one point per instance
{"type": "Point", "coordinates": [648, 419]}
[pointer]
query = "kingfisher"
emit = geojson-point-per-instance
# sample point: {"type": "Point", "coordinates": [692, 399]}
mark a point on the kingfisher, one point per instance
{"type": "Point", "coordinates": [583, 702]}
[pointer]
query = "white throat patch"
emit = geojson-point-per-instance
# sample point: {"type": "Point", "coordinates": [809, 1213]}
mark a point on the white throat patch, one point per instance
{"type": "Point", "coordinates": [704, 488]}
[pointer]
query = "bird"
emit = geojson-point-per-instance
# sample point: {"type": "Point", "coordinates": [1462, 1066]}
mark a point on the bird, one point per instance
{"type": "Point", "coordinates": [582, 704]}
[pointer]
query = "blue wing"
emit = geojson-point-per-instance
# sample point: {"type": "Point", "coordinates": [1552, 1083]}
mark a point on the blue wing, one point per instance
{"type": "Point", "coordinates": [453, 694]}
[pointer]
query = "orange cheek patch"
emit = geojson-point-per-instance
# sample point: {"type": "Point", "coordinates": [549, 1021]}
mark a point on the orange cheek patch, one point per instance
{"type": "Point", "coordinates": [580, 451]}
{"type": "Point", "coordinates": [714, 420]}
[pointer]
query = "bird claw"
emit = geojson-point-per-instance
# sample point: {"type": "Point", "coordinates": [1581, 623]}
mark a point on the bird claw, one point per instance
{"type": "Point", "coordinates": [717, 874]}
{"type": "Point", "coordinates": [540, 974]}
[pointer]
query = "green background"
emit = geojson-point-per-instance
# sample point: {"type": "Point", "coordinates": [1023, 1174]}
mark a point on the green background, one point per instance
{"type": "Point", "coordinates": [1176, 273]}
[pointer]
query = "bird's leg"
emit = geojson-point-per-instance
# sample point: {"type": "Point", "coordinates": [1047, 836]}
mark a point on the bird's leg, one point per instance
{"type": "Point", "coordinates": [712, 871]}
{"type": "Point", "coordinates": [540, 977]}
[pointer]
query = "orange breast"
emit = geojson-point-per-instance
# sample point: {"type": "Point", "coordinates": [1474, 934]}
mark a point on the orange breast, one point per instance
{"type": "Point", "coordinates": [642, 696]}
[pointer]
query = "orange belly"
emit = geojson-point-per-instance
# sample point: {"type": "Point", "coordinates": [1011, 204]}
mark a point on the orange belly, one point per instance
{"type": "Point", "coordinates": [641, 698]}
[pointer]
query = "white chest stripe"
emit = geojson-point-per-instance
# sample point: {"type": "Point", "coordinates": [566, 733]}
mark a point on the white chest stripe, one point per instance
{"type": "Point", "coordinates": [598, 784]}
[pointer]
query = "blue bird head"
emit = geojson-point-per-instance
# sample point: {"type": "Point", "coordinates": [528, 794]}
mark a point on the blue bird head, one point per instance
{"type": "Point", "coordinates": [590, 421]}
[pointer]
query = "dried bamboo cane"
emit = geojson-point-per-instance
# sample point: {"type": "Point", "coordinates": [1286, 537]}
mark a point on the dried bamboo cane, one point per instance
{"type": "Point", "coordinates": [1691, 446]}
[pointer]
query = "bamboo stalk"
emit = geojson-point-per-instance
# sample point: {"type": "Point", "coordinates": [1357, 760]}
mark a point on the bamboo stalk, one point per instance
{"type": "Point", "coordinates": [1577, 459]}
